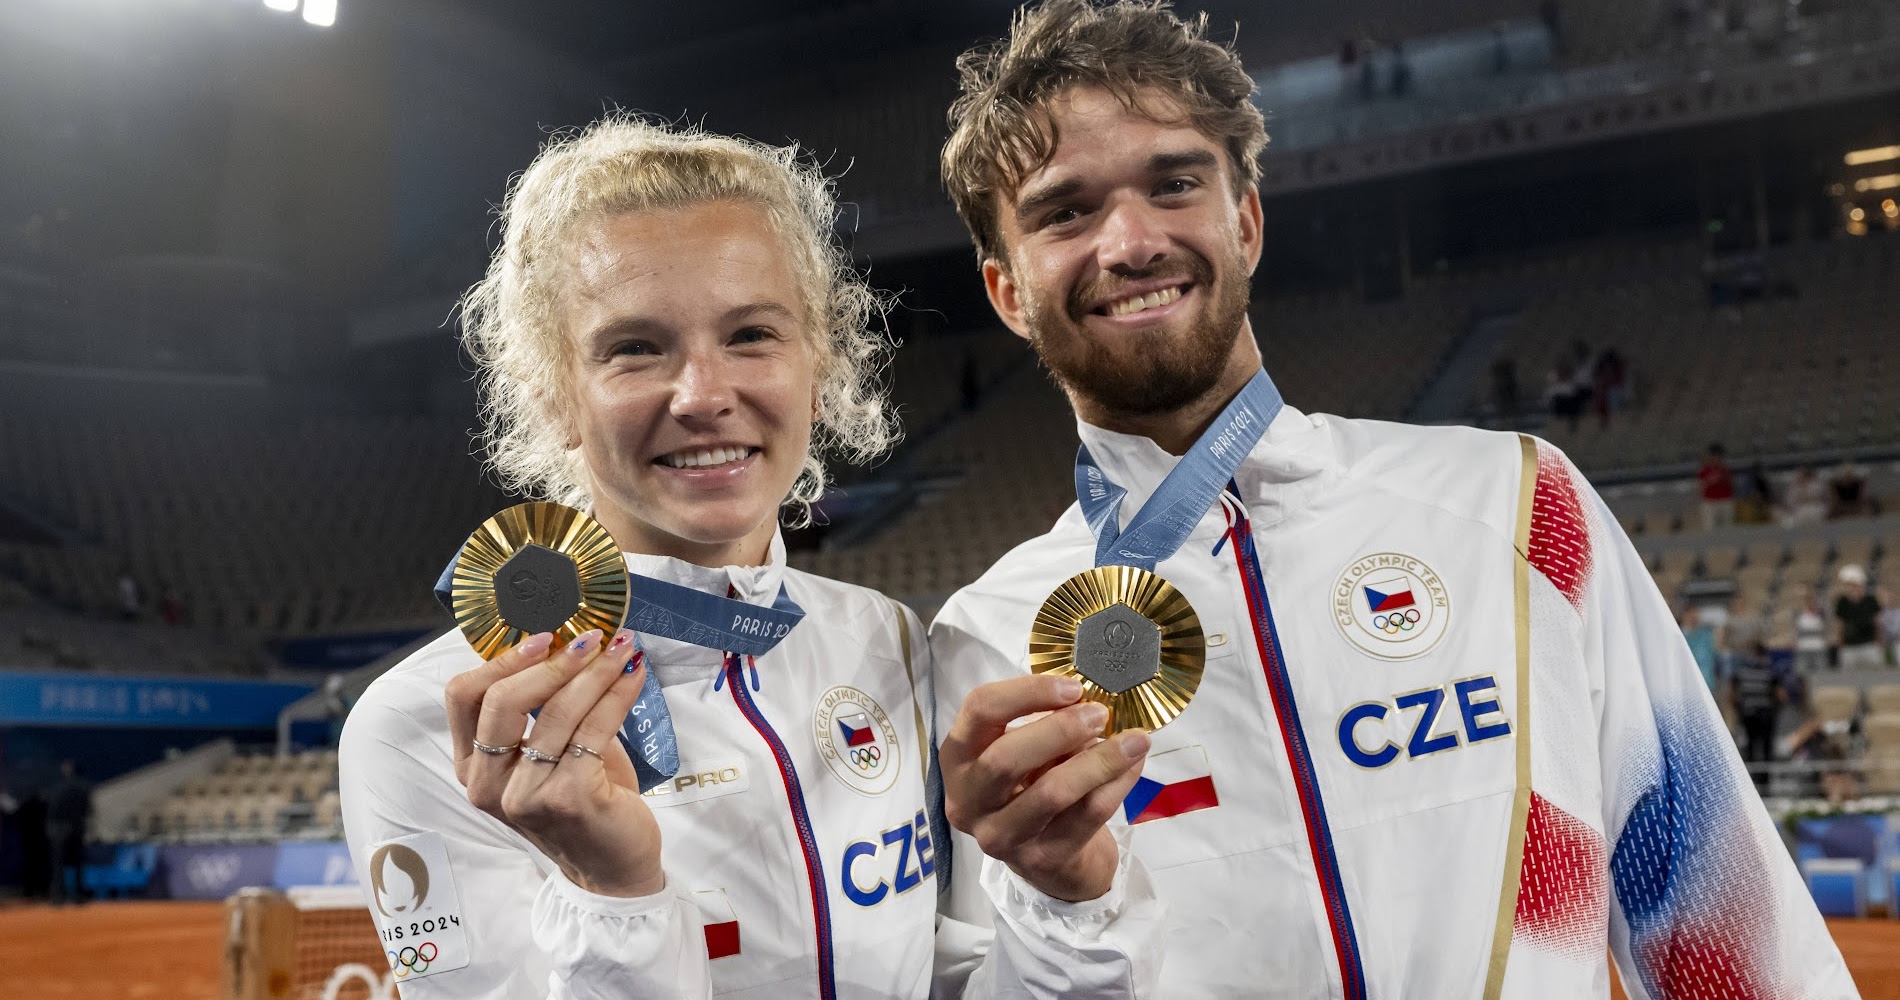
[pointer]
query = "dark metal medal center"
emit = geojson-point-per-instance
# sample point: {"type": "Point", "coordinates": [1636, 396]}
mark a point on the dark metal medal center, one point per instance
{"type": "Point", "coordinates": [537, 589]}
{"type": "Point", "coordinates": [1117, 648]}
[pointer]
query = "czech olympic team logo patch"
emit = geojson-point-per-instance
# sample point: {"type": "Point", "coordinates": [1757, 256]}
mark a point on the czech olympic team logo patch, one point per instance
{"type": "Point", "coordinates": [1391, 605]}
{"type": "Point", "coordinates": [856, 739]}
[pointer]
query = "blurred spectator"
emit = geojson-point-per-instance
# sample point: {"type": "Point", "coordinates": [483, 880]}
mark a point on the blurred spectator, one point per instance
{"type": "Point", "coordinates": [1744, 628]}
{"type": "Point", "coordinates": [1840, 783]}
{"type": "Point", "coordinates": [1849, 492]}
{"type": "Point", "coordinates": [336, 706]}
{"type": "Point", "coordinates": [36, 855]}
{"type": "Point", "coordinates": [1607, 384]}
{"type": "Point", "coordinates": [1401, 71]}
{"type": "Point", "coordinates": [1566, 393]}
{"type": "Point", "coordinates": [1807, 500]}
{"type": "Point", "coordinates": [1757, 693]}
{"type": "Point", "coordinates": [170, 609]}
{"type": "Point", "coordinates": [1856, 621]}
{"type": "Point", "coordinates": [68, 810]}
{"type": "Point", "coordinates": [1500, 50]}
{"type": "Point", "coordinates": [1755, 500]}
{"type": "Point", "coordinates": [1701, 638]}
{"type": "Point", "coordinates": [128, 595]}
{"type": "Point", "coordinates": [1810, 634]}
{"type": "Point", "coordinates": [1889, 625]}
{"type": "Point", "coordinates": [1718, 489]}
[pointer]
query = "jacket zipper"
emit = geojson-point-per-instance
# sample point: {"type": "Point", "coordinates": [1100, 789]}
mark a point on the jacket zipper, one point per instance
{"type": "Point", "coordinates": [1305, 780]}
{"type": "Point", "coordinates": [801, 818]}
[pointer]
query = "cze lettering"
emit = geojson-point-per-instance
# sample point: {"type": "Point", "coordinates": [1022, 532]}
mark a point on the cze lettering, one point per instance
{"type": "Point", "coordinates": [1367, 738]}
{"type": "Point", "coordinates": [911, 863]}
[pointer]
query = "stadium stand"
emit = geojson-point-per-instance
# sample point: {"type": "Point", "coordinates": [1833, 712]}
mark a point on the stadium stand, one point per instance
{"type": "Point", "coordinates": [250, 797]}
{"type": "Point", "coordinates": [249, 529]}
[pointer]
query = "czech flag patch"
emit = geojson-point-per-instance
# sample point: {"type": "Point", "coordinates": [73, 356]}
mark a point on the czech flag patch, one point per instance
{"type": "Point", "coordinates": [856, 729]}
{"type": "Point", "coordinates": [1171, 783]}
{"type": "Point", "coordinates": [1379, 600]}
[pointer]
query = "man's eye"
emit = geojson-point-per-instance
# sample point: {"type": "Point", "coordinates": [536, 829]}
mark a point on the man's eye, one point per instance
{"type": "Point", "coordinates": [1061, 217]}
{"type": "Point", "coordinates": [636, 348]}
{"type": "Point", "coordinates": [752, 335]}
{"type": "Point", "coordinates": [1177, 185]}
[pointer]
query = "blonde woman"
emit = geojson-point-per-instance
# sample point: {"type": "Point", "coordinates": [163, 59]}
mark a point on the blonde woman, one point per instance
{"type": "Point", "coordinates": [669, 338]}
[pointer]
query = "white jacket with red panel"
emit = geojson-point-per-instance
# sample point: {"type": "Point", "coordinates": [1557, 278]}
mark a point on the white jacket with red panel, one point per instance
{"type": "Point", "coordinates": [1449, 742]}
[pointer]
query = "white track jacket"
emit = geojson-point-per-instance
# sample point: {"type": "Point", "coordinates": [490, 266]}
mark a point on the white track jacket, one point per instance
{"type": "Point", "coordinates": [1449, 742]}
{"type": "Point", "coordinates": [798, 837]}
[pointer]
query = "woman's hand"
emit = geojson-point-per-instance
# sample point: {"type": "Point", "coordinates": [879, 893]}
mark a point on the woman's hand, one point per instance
{"type": "Point", "coordinates": [580, 808]}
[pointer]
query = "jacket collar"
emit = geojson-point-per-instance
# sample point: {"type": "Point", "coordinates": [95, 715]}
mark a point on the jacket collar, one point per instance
{"type": "Point", "coordinates": [1291, 461]}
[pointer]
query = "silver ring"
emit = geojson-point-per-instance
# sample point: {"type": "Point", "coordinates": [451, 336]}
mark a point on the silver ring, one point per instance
{"type": "Point", "coordinates": [540, 756]}
{"type": "Point", "coordinates": [485, 748]}
{"type": "Point", "coordinates": [576, 749]}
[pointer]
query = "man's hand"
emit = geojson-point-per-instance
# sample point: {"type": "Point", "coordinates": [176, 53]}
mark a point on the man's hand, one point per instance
{"type": "Point", "coordinates": [1038, 797]}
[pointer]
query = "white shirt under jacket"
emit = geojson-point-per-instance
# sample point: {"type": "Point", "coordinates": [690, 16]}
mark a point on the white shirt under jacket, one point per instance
{"type": "Point", "coordinates": [1478, 757]}
{"type": "Point", "coordinates": [734, 854]}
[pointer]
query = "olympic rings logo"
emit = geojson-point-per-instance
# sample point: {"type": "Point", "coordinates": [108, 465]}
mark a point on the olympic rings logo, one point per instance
{"type": "Point", "coordinates": [1396, 622]}
{"type": "Point", "coordinates": [414, 959]}
{"type": "Point", "coordinates": [865, 758]}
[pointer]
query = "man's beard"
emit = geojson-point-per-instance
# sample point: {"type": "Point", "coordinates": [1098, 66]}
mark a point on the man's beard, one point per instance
{"type": "Point", "coordinates": [1145, 372]}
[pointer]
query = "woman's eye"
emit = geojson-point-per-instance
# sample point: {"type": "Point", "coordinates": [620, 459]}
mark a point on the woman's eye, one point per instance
{"type": "Point", "coordinates": [752, 335]}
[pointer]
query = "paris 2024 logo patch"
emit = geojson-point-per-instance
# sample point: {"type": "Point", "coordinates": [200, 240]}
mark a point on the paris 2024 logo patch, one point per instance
{"type": "Point", "coordinates": [1391, 605]}
{"type": "Point", "coordinates": [856, 739]}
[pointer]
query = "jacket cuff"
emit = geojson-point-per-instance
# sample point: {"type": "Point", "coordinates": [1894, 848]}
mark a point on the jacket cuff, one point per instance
{"type": "Point", "coordinates": [1012, 894]}
{"type": "Point", "coordinates": [607, 906]}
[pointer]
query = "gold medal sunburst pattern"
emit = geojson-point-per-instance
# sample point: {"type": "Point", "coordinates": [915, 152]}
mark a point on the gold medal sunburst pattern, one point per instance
{"type": "Point", "coordinates": [1154, 702]}
{"type": "Point", "coordinates": [596, 558]}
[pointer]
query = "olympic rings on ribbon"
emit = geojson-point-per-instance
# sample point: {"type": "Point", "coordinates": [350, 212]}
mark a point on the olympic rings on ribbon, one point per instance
{"type": "Point", "coordinates": [1396, 622]}
{"type": "Point", "coordinates": [865, 757]}
{"type": "Point", "coordinates": [414, 960]}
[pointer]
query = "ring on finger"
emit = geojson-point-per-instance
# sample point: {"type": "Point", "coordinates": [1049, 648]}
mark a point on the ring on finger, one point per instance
{"type": "Point", "coordinates": [576, 749]}
{"type": "Point", "coordinates": [540, 756]}
{"type": "Point", "coordinates": [497, 751]}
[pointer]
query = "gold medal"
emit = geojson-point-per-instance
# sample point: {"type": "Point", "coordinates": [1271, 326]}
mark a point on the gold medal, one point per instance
{"type": "Point", "coordinates": [537, 567]}
{"type": "Point", "coordinates": [1133, 641]}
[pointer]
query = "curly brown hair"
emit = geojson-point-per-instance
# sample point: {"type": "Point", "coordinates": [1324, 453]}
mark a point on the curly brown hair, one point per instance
{"type": "Point", "coordinates": [1000, 131]}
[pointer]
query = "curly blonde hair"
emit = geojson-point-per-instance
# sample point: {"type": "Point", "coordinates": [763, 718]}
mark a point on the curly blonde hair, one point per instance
{"type": "Point", "coordinates": [512, 319]}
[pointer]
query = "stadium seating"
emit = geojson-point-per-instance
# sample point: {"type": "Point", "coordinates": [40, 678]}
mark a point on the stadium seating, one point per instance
{"type": "Point", "coordinates": [250, 797]}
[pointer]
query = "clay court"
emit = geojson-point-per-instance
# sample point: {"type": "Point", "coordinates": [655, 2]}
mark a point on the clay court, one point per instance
{"type": "Point", "coordinates": [170, 951]}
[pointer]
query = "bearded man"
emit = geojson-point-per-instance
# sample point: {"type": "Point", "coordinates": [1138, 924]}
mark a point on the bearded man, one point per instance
{"type": "Point", "coordinates": [1447, 740]}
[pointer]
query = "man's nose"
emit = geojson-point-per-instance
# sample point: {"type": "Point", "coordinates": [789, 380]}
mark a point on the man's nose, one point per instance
{"type": "Point", "coordinates": [704, 388]}
{"type": "Point", "coordinates": [1131, 237]}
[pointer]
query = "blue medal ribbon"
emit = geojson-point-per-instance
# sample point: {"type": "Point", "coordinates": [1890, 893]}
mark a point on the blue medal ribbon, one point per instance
{"type": "Point", "coordinates": [657, 607]}
{"type": "Point", "coordinates": [1188, 492]}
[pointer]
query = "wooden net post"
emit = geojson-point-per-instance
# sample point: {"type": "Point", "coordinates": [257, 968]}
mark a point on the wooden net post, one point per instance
{"type": "Point", "coordinates": [260, 946]}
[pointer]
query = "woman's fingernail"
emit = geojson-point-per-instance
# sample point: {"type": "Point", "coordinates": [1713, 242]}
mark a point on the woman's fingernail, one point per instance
{"type": "Point", "coordinates": [1134, 743]}
{"type": "Point", "coordinates": [622, 639]}
{"type": "Point", "coordinates": [536, 644]}
{"type": "Point", "coordinates": [584, 640]}
{"type": "Point", "coordinates": [1068, 688]}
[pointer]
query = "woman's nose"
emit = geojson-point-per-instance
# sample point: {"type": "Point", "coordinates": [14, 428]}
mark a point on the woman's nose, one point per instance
{"type": "Point", "coordinates": [704, 389]}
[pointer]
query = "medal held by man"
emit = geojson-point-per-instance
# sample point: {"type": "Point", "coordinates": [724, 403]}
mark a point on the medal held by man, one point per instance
{"type": "Point", "coordinates": [1128, 635]}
